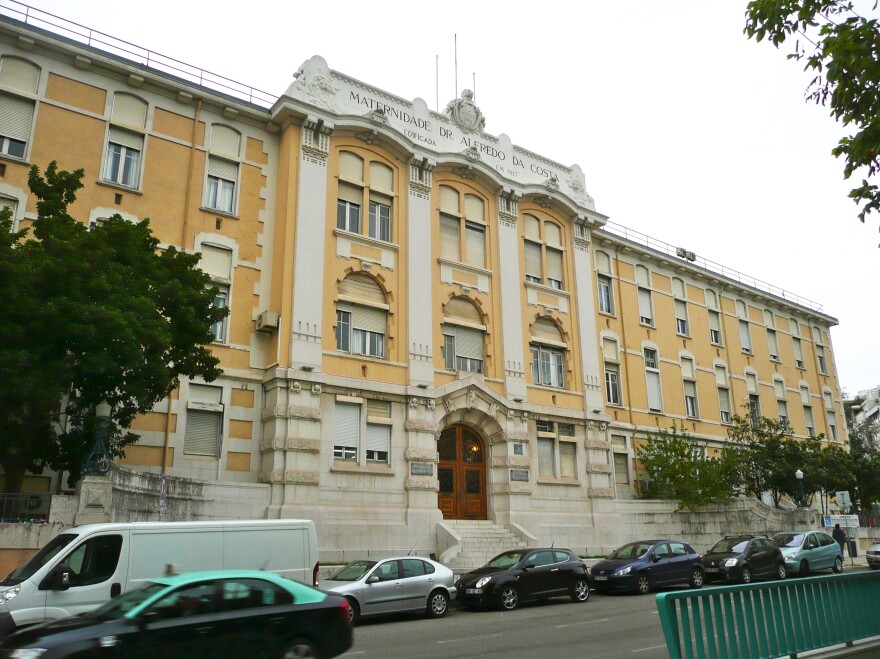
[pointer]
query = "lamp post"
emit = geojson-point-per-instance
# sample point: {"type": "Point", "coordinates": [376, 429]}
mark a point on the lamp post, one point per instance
{"type": "Point", "coordinates": [98, 461]}
{"type": "Point", "coordinates": [800, 479]}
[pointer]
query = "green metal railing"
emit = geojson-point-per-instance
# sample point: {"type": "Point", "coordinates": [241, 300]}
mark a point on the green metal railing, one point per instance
{"type": "Point", "coordinates": [774, 619]}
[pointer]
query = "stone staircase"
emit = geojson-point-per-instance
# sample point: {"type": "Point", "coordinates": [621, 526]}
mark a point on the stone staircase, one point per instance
{"type": "Point", "coordinates": [480, 541]}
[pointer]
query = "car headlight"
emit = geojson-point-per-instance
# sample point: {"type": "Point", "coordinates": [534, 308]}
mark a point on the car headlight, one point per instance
{"type": "Point", "coordinates": [9, 593]}
{"type": "Point", "coordinates": [28, 653]}
{"type": "Point", "coordinates": [625, 570]}
{"type": "Point", "coordinates": [482, 582]}
{"type": "Point", "coordinates": [730, 562]}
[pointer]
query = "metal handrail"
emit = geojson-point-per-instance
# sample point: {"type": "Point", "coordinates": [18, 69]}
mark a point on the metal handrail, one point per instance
{"type": "Point", "coordinates": [102, 41]}
{"type": "Point", "coordinates": [698, 261]}
{"type": "Point", "coordinates": [25, 507]}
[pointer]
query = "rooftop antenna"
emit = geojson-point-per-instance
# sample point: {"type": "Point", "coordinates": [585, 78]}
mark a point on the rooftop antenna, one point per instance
{"type": "Point", "coordinates": [437, 81]}
{"type": "Point", "coordinates": [409, 553]}
{"type": "Point", "coordinates": [456, 66]}
{"type": "Point", "coordinates": [474, 88]}
{"type": "Point", "coordinates": [265, 565]}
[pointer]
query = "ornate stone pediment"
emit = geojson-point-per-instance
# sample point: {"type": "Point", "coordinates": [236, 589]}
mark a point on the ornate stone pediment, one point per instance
{"type": "Point", "coordinates": [465, 113]}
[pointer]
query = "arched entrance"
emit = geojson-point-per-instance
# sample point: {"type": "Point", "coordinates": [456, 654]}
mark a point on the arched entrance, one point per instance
{"type": "Point", "coordinates": [462, 474]}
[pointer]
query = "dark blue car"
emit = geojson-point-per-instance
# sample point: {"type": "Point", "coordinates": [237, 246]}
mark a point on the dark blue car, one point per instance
{"type": "Point", "coordinates": [642, 566]}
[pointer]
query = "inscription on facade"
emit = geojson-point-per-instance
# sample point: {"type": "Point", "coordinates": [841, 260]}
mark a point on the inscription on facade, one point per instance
{"type": "Point", "coordinates": [421, 469]}
{"type": "Point", "coordinates": [521, 475]}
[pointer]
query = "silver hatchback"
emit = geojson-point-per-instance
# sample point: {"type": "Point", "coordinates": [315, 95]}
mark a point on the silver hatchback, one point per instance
{"type": "Point", "coordinates": [392, 585]}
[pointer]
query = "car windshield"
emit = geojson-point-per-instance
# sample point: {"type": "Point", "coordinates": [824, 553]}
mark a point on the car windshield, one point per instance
{"type": "Point", "coordinates": [631, 551]}
{"type": "Point", "coordinates": [119, 606]}
{"type": "Point", "coordinates": [353, 571]}
{"type": "Point", "coordinates": [42, 557]}
{"type": "Point", "coordinates": [507, 559]}
{"type": "Point", "coordinates": [730, 545]}
{"type": "Point", "coordinates": [789, 539]}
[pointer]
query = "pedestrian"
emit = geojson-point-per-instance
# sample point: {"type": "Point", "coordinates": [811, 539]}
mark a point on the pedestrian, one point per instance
{"type": "Point", "coordinates": [839, 535]}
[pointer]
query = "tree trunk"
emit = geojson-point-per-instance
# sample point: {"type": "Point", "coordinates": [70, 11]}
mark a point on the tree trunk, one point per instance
{"type": "Point", "coordinates": [13, 469]}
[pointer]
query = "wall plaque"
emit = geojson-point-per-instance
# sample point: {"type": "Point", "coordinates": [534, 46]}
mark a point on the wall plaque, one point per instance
{"type": "Point", "coordinates": [519, 475]}
{"type": "Point", "coordinates": [517, 449]}
{"type": "Point", "coordinates": [421, 469]}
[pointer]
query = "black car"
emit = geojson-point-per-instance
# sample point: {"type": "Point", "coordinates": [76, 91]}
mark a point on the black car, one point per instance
{"type": "Point", "coordinates": [643, 565]}
{"type": "Point", "coordinates": [525, 574]}
{"type": "Point", "coordinates": [743, 558]}
{"type": "Point", "coordinates": [228, 613]}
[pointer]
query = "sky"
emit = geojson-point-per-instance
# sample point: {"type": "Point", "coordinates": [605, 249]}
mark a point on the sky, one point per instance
{"type": "Point", "coordinates": [686, 130]}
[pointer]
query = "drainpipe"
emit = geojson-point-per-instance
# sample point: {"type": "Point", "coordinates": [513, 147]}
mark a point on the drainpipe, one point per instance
{"type": "Point", "coordinates": [183, 243]}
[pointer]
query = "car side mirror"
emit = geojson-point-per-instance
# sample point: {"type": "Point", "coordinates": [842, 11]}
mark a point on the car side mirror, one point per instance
{"type": "Point", "coordinates": [57, 579]}
{"type": "Point", "coordinates": [529, 566]}
{"type": "Point", "coordinates": [148, 617]}
{"type": "Point", "coordinates": [654, 558]}
{"type": "Point", "coordinates": [373, 579]}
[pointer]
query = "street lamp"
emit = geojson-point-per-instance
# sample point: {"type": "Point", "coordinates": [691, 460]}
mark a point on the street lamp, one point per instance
{"type": "Point", "coordinates": [800, 479]}
{"type": "Point", "coordinates": [98, 462]}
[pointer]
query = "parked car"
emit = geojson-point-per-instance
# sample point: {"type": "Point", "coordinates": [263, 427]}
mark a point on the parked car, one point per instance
{"type": "Point", "coordinates": [743, 558]}
{"type": "Point", "coordinates": [805, 551]}
{"type": "Point", "coordinates": [873, 556]}
{"type": "Point", "coordinates": [226, 613]}
{"type": "Point", "coordinates": [525, 574]}
{"type": "Point", "coordinates": [642, 566]}
{"type": "Point", "coordinates": [392, 585]}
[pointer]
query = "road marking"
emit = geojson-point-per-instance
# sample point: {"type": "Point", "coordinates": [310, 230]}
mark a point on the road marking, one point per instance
{"type": "Point", "coordinates": [586, 622]}
{"type": "Point", "coordinates": [653, 647]}
{"type": "Point", "coordinates": [351, 654]}
{"type": "Point", "coordinates": [469, 638]}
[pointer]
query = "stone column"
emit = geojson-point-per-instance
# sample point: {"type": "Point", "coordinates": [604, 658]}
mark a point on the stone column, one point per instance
{"type": "Point", "coordinates": [420, 266]}
{"type": "Point", "coordinates": [95, 494]}
{"type": "Point", "coordinates": [421, 466]}
{"type": "Point", "coordinates": [583, 266]}
{"type": "Point", "coordinates": [511, 296]}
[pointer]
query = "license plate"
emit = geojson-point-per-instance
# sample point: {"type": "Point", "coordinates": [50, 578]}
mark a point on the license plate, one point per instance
{"type": "Point", "coordinates": [711, 569]}
{"type": "Point", "coordinates": [599, 577]}
{"type": "Point", "coordinates": [473, 591]}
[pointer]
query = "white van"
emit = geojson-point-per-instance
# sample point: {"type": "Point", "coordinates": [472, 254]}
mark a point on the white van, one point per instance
{"type": "Point", "coordinates": [85, 566]}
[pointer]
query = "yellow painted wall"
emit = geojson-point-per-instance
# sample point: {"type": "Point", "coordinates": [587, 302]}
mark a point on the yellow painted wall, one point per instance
{"type": "Point", "coordinates": [241, 429]}
{"type": "Point", "coordinates": [154, 421]}
{"type": "Point", "coordinates": [238, 461]}
{"type": "Point", "coordinates": [146, 456]}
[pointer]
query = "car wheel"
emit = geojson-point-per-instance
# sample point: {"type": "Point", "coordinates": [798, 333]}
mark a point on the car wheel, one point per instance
{"type": "Point", "coordinates": [438, 604]}
{"type": "Point", "coordinates": [781, 572]}
{"type": "Point", "coordinates": [875, 567]}
{"type": "Point", "coordinates": [580, 592]}
{"type": "Point", "coordinates": [804, 569]}
{"type": "Point", "coordinates": [354, 611]}
{"type": "Point", "coordinates": [697, 578]}
{"type": "Point", "coordinates": [838, 565]}
{"type": "Point", "coordinates": [746, 575]}
{"type": "Point", "coordinates": [301, 648]}
{"type": "Point", "coordinates": [509, 598]}
{"type": "Point", "coordinates": [643, 584]}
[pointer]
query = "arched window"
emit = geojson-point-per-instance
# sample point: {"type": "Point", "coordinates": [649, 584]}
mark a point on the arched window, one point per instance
{"type": "Point", "coordinates": [361, 316]}
{"type": "Point", "coordinates": [125, 140]}
{"type": "Point", "coordinates": [646, 306]}
{"type": "Point", "coordinates": [17, 112]}
{"type": "Point", "coordinates": [365, 183]}
{"type": "Point", "coordinates": [463, 336]}
{"type": "Point", "coordinates": [548, 353]}
{"type": "Point", "coordinates": [223, 169]}
{"type": "Point", "coordinates": [462, 227]}
{"type": "Point", "coordinates": [542, 244]}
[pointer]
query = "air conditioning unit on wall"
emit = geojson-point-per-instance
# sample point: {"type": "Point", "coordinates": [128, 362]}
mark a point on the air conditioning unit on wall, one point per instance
{"type": "Point", "coordinates": [267, 321]}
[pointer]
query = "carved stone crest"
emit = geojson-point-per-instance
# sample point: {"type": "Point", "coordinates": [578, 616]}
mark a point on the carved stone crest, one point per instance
{"type": "Point", "coordinates": [378, 116]}
{"type": "Point", "coordinates": [472, 399]}
{"type": "Point", "coordinates": [314, 81]}
{"type": "Point", "coordinates": [450, 406]}
{"type": "Point", "coordinates": [430, 404]}
{"type": "Point", "coordinates": [465, 113]}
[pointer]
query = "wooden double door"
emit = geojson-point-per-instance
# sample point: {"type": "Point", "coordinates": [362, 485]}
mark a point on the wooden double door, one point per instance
{"type": "Point", "coordinates": [462, 474]}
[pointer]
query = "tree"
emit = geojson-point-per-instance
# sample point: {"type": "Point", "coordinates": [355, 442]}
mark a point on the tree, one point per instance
{"type": "Point", "coordinates": [842, 49]}
{"type": "Point", "coordinates": [90, 315]}
{"type": "Point", "coordinates": [679, 467]}
{"type": "Point", "coordinates": [865, 464]}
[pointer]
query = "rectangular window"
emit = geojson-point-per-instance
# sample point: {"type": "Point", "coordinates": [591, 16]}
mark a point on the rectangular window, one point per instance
{"type": "Point", "coordinates": [652, 375]}
{"type": "Point", "coordinates": [475, 240]}
{"type": "Point", "coordinates": [612, 384]}
{"type": "Point", "coordinates": [546, 466]}
{"type": "Point", "coordinates": [782, 410]}
{"type": "Point", "coordinates": [621, 468]}
{"type": "Point", "coordinates": [820, 357]}
{"type": "Point", "coordinates": [567, 459]}
{"type": "Point", "coordinates": [346, 431]}
{"type": "Point", "coordinates": [832, 425]}
{"type": "Point", "coordinates": [646, 312]}
{"type": "Point", "coordinates": [533, 262]}
{"type": "Point", "coordinates": [378, 442]}
{"type": "Point", "coordinates": [772, 345]}
{"type": "Point", "coordinates": [606, 296]}
{"type": "Point", "coordinates": [681, 317]}
{"type": "Point", "coordinates": [463, 348]}
{"type": "Point", "coordinates": [547, 367]}
{"type": "Point", "coordinates": [380, 221]}
{"type": "Point", "coordinates": [744, 337]}
{"type": "Point", "coordinates": [16, 117]}
{"type": "Point", "coordinates": [204, 421]}
{"type": "Point", "coordinates": [360, 330]}
{"type": "Point", "coordinates": [222, 176]}
{"type": "Point", "coordinates": [123, 161]}
{"type": "Point", "coordinates": [715, 327]}
{"type": "Point", "coordinates": [798, 352]}
{"type": "Point", "coordinates": [450, 238]}
{"type": "Point", "coordinates": [348, 216]}
{"type": "Point", "coordinates": [690, 399]}
{"type": "Point", "coordinates": [221, 301]}
{"type": "Point", "coordinates": [343, 330]}
{"type": "Point", "coordinates": [724, 404]}
{"type": "Point", "coordinates": [808, 421]}
{"type": "Point", "coordinates": [554, 268]}
{"type": "Point", "coordinates": [755, 409]}
{"type": "Point", "coordinates": [650, 358]}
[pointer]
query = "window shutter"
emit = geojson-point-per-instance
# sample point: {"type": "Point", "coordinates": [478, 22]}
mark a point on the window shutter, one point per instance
{"type": "Point", "coordinates": [678, 288]}
{"type": "Point", "coordinates": [567, 455]}
{"type": "Point", "coordinates": [378, 437]}
{"type": "Point", "coordinates": [609, 349]}
{"type": "Point", "coordinates": [552, 234]}
{"type": "Point", "coordinates": [768, 319]}
{"type": "Point", "coordinates": [545, 457]}
{"type": "Point", "coordinates": [468, 342]}
{"type": "Point", "coordinates": [795, 328]}
{"type": "Point", "coordinates": [222, 169]}
{"type": "Point", "coordinates": [462, 310]}
{"type": "Point", "coordinates": [346, 425]}
{"type": "Point", "coordinates": [603, 263]}
{"type": "Point", "coordinates": [645, 304]}
{"type": "Point", "coordinates": [714, 321]}
{"type": "Point", "coordinates": [16, 115]}
{"type": "Point", "coordinates": [545, 329]}
{"type": "Point", "coordinates": [744, 336]}
{"type": "Point", "coordinates": [711, 299]}
{"type": "Point", "coordinates": [533, 259]}
{"type": "Point", "coordinates": [350, 193]}
{"type": "Point", "coordinates": [18, 74]}
{"type": "Point", "coordinates": [643, 278]}
{"type": "Point", "coordinates": [202, 436]}
{"type": "Point", "coordinates": [687, 367]}
{"type": "Point", "coordinates": [805, 395]}
{"type": "Point", "coordinates": [554, 264]}
{"type": "Point", "coordinates": [449, 237]}
{"type": "Point", "coordinates": [200, 393]}
{"type": "Point", "coordinates": [779, 388]}
{"type": "Point", "coordinates": [798, 350]}
{"type": "Point", "coordinates": [379, 408]}
{"type": "Point", "coordinates": [362, 287]}
{"type": "Point", "coordinates": [351, 167]}
{"type": "Point", "coordinates": [226, 141]}
{"type": "Point", "coordinates": [129, 110]}
{"type": "Point", "coordinates": [751, 383]}
{"type": "Point", "coordinates": [829, 403]}
{"type": "Point", "coordinates": [654, 398]}
{"type": "Point", "coordinates": [216, 261]}
{"type": "Point", "coordinates": [532, 227]}
{"type": "Point", "coordinates": [721, 376]}
{"type": "Point", "coordinates": [681, 309]}
{"type": "Point", "coordinates": [772, 344]}
{"type": "Point", "coordinates": [475, 236]}
{"type": "Point", "coordinates": [125, 138]}
{"type": "Point", "coordinates": [368, 318]}
{"type": "Point", "coordinates": [817, 335]}
{"type": "Point", "coordinates": [381, 177]}
{"type": "Point", "coordinates": [474, 208]}
{"type": "Point", "coordinates": [449, 200]}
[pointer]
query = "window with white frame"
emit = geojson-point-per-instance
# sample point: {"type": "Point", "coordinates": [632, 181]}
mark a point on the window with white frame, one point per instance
{"type": "Point", "coordinates": [745, 337]}
{"type": "Point", "coordinates": [798, 350]}
{"type": "Point", "coordinates": [621, 459]}
{"type": "Point", "coordinates": [604, 289]}
{"type": "Point", "coordinates": [365, 184]}
{"type": "Point", "coordinates": [17, 112]}
{"type": "Point", "coordinates": [125, 140]}
{"type": "Point", "coordinates": [723, 393]}
{"type": "Point", "coordinates": [688, 374]}
{"type": "Point", "coordinates": [361, 316]}
{"type": "Point", "coordinates": [204, 421]}
{"type": "Point", "coordinates": [807, 402]}
{"type": "Point", "coordinates": [12, 205]}
{"type": "Point", "coordinates": [714, 313]}
{"type": "Point", "coordinates": [463, 336]}
{"type": "Point", "coordinates": [679, 293]}
{"type": "Point", "coordinates": [611, 353]}
{"type": "Point", "coordinates": [362, 431]}
{"type": "Point", "coordinates": [832, 416]}
{"type": "Point", "coordinates": [754, 399]}
{"type": "Point", "coordinates": [463, 227]}
{"type": "Point", "coordinates": [548, 354]}
{"type": "Point", "coordinates": [557, 449]}
{"type": "Point", "coordinates": [346, 431]}
{"type": "Point", "coordinates": [378, 447]}
{"type": "Point", "coordinates": [221, 184]}
{"type": "Point", "coordinates": [646, 307]}
{"type": "Point", "coordinates": [216, 261]}
{"type": "Point", "coordinates": [652, 376]}
{"type": "Point", "coordinates": [781, 402]}
{"type": "Point", "coordinates": [543, 252]}
{"type": "Point", "coordinates": [221, 301]}
{"type": "Point", "coordinates": [820, 357]}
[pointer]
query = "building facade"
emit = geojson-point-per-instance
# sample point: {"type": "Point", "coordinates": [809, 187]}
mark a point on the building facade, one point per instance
{"type": "Point", "coordinates": [426, 322]}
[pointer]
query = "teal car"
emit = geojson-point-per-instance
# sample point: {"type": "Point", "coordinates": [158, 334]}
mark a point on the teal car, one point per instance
{"type": "Point", "coordinates": [805, 551]}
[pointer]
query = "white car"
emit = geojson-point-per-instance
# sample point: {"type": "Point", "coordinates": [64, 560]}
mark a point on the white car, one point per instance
{"type": "Point", "coordinates": [392, 585]}
{"type": "Point", "coordinates": [873, 556]}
